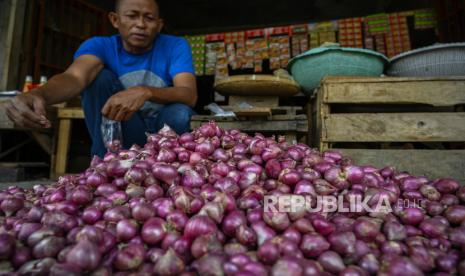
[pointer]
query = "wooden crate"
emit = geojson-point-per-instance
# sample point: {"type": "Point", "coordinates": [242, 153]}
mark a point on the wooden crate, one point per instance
{"type": "Point", "coordinates": [367, 111]}
{"type": "Point", "coordinates": [294, 127]}
{"type": "Point", "coordinates": [261, 114]}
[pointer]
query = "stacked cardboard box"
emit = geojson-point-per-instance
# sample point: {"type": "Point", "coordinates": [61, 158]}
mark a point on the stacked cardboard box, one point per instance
{"type": "Point", "coordinates": [235, 49]}
{"type": "Point", "coordinates": [425, 19]}
{"type": "Point", "coordinates": [350, 32]}
{"type": "Point", "coordinates": [299, 38]}
{"type": "Point", "coordinates": [197, 44]}
{"type": "Point", "coordinates": [377, 24]}
{"type": "Point", "coordinates": [398, 40]}
{"type": "Point", "coordinates": [216, 62]}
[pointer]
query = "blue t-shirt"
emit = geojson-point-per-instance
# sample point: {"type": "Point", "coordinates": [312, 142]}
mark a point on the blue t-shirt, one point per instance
{"type": "Point", "coordinates": [168, 57]}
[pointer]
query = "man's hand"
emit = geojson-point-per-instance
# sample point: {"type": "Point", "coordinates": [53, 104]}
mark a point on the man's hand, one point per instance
{"type": "Point", "coordinates": [122, 105]}
{"type": "Point", "coordinates": [28, 110]}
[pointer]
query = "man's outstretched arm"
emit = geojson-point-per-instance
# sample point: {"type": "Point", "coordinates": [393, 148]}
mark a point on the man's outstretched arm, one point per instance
{"type": "Point", "coordinates": [28, 109]}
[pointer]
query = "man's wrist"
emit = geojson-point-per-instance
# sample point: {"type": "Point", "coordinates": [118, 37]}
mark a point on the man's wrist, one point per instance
{"type": "Point", "coordinates": [147, 92]}
{"type": "Point", "coordinates": [39, 92]}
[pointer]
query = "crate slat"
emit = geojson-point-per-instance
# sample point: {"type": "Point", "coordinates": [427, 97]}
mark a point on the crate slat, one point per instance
{"type": "Point", "coordinates": [253, 112]}
{"type": "Point", "coordinates": [435, 93]}
{"type": "Point", "coordinates": [430, 163]}
{"type": "Point", "coordinates": [353, 79]}
{"type": "Point", "coordinates": [265, 126]}
{"type": "Point", "coordinates": [218, 119]}
{"type": "Point", "coordinates": [394, 127]}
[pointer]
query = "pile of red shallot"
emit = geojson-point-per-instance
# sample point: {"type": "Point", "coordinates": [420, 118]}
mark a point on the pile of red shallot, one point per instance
{"type": "Point", "coordinates": [194, 205]}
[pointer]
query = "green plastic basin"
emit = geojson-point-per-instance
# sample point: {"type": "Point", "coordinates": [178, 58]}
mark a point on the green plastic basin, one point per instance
{"type": "Point", "coordinates": [310, 67]}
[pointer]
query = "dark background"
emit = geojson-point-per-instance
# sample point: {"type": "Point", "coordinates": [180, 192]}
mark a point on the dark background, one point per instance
{"type": "Point", "coordinates": [209, 16]}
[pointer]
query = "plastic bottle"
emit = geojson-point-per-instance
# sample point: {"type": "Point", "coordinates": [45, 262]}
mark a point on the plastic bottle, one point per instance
{"type": "Point", "coordinates": [43, 80]}
{"type": "Point", "coordinates": [27, 84]}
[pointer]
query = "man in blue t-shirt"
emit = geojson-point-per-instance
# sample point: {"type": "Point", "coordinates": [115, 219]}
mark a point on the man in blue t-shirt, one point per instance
{"type": "Point", "coordinates": [140, 77]}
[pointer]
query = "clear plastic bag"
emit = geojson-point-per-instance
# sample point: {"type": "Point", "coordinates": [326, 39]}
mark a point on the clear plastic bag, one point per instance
{"type": "Point", "coordinates": [219, 112]}
{"type": "Point", "coordinates": [112, 134]}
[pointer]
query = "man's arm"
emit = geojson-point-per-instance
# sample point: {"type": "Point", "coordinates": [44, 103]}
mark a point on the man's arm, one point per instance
{"type": "Point", "coordinates": [184, 91]}
{"type": "Point", "coordinates": [69, 84]}
{"type": "Point", "coordinates": [123, 105]}
{"type": "Point", "coordinates": [28, 109]}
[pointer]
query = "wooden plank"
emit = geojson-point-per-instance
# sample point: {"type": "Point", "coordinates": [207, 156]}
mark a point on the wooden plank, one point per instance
{"type": "Point", "coordinates": [15, 59]}
{"type": "Point", "coordinates": [288, 117]}
{"type": "Point", "coordinates": [274, 108]}
{"type": "Point", "coordinates": [311, 124]}
{"type": "Point", "coordinates": [23, 164]}
{"type": "Point", "coordinates": [289, 110]}
{"type": "Point", "coordinates": [323, 112]}
{"type": "Point", "coordinates": [64, 135]}
{"type": "Point", "coordinates": [256, 101]}
{"type": "Point", "coordinates": [71, 113]}
{"type": "Point", "coordinates": [7, 20]}
{"type": "Point", "coordinates": [206, 118]}
{"type": "Point", "coordinates": [435, 93]}
{"type": "Point", "coordinates": [430, 163]}
{"type": "Point", "coordinates": [272, 126]}
{"type": "Point", "coordinates": [53, 156]}
{"type": "Point", "coordinates": [394, 127]}
{"type": "Point", "coordinates": [255, 111]}
{"type": "Point", "coordinates": [351, 79]}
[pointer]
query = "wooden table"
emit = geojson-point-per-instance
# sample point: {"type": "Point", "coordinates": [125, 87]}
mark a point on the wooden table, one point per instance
{"type": "Point", "coordinates": [43, 137]}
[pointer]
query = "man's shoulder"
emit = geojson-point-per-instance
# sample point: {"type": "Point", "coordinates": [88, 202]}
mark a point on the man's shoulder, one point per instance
{"type": "Point", "coordinates": [104, 40]}
{"type": "Point", "coordinates": [171, 40]}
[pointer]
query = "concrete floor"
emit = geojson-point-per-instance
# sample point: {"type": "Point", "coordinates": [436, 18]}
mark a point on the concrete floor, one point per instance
{"type": "Point", "coordinates": [25, 184]}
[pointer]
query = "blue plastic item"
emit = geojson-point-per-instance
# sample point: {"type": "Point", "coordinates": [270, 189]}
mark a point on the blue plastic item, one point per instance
{"type": "Point", "coordinates": [309, 68]}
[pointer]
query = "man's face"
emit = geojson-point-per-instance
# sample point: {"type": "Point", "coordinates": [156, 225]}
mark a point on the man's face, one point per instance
{"type": "Point", "coordinates": [138, 23]}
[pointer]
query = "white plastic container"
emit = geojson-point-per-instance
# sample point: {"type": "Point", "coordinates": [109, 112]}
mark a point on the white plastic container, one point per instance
{"type": "Point", "coordinates": [436, 60]}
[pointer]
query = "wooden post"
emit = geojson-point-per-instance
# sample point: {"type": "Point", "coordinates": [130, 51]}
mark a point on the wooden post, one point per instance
{"type": "Point", "coordinates": [40, 39]}
{"type": "Point", "coordinates": [64, 133]}
{"type": "Point", "coordinates": [318, 127]}
{"type": "Point", "coordinates": [309, 110]}
{"type": "Point", "coordinates": [324, 110]}
{"type": "Point", "coordinates": [11, 31]}
{"type": "Point", "coordinates": [65, 115]}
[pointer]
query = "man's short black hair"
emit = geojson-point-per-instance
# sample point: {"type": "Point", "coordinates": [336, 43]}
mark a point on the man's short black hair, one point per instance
{"type": "Point", "coordinates": [118, 4]}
